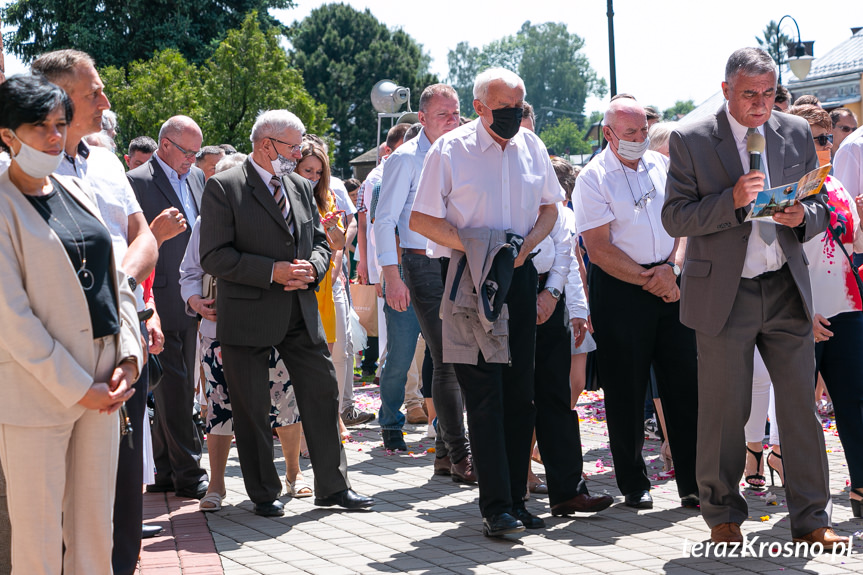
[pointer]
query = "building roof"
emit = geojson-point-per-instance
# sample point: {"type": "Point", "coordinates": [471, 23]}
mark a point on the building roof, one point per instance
{"type": "Point", "coordinates": [846, 58]}
{"type": "Point", "coordinates": [707, 108]}
{"type": "Point", "coordinates": [366, 157]}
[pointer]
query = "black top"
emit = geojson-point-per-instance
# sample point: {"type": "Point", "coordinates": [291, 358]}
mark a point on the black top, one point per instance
{"type": "Point", "coordinates": [70, 221]}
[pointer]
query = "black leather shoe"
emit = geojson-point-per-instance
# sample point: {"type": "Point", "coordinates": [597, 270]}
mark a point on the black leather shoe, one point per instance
{"type": "Point", "coordinates": [583, 503]}
{"type": "Point", "coordinates": [148, 531]}
{"type": "Point", "coordinates": [500, 525]}
{"type": "Point", "coordinates": [272, 509]}
{"type": "Point", "coordinates": [527, 519]}
{"type": "Point", "coordinates": [691, 501]}
{"type": "Point", "coordinates": [639, 500]}
{"type": "Point", "coordinates": [394, 440]}
{"type": "Point", "coordinates": [197, 491]}
{"type": "Point", "coordinates": [347, 499]}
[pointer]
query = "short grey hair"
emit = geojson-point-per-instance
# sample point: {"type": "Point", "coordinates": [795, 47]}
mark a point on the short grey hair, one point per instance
{"type": "Point", "coordinates": [273, 122]}
{"type": "Point", "coordinates": [175, 126]}
{"type": "Point", "coordinates": [659, 134]}
{"type": "Point", "coordinates": [750, 62]}
{"type": "Point", "coordinates": [230, 161]}
{"type": "Point", "coordinates": [486, 77]}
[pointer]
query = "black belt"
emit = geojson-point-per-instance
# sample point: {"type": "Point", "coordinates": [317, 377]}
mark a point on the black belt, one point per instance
{"type": "Point", "coordinates": [768, 275]}
{"type": "Point", "coordinates": [541, 279]}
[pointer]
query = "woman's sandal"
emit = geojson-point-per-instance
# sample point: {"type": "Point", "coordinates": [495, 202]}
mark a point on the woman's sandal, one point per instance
{"type": "Point", "coordinates": [754, 479]}
{"type": "Point", "coordinates": [299, 488]}
{"type": "Point", "coordinates": [213, 502]}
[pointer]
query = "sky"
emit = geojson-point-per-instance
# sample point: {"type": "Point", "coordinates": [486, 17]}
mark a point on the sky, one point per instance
{"type": "Point", "coordinates": [666, 50]}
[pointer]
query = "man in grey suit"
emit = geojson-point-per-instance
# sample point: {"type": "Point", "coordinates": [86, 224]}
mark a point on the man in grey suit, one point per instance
{"type": "Point", "coordinates": [262, 238]}
{"type": "Point", "coordinates": [745, 284]}
{"type": "Point", "coordinates": [169, 188]}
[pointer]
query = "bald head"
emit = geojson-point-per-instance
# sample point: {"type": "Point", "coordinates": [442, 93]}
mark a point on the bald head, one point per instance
{"type": "Point", "coordinates": [625, 120]}
{"type": "Point", "coordinates": [180, 140]}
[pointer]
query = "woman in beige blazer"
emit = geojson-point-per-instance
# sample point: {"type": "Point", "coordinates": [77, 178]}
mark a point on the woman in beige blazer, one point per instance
{"type": "Point", "coordinates": [70, 345]}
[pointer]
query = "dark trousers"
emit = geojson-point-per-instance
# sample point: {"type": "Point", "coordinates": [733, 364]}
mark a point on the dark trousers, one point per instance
{"type": "Point", "coordinates": [177, 442]}
{"type": "Point", "coordinates": [423, 278]}
{"type": "Point", "coordinates": [634, 329]}
{"type": "Point", "coordinates": [557, 432]}
{"type": "Point", "coordinates": [840, 361]}
{"type": "Point", "coordinates": [768, 313]}
{"type": "Point", "coordinates": [128, 500]}
{"type": "Point", "coordinates": [370, 355]}
{"type": "Point", "coordinates": [314, 379]}
{"type": "Point", "coordinates": [499, 402]}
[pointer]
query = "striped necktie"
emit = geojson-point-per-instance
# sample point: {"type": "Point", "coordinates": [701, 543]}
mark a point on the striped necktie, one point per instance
{"type": "Point", "coordinates": [279, 195]}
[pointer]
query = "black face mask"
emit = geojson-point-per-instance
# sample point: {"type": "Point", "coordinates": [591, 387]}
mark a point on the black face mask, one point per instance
{"type": "Point", "coordinates": [507, 121]}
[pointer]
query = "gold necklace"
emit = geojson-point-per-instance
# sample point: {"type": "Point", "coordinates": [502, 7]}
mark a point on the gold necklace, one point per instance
{"type": "Point", "coordinates": [85, 276]}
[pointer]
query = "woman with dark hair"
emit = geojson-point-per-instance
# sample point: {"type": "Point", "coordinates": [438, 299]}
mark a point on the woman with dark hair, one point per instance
{"type": "Point", "coordinates": [70, 347]}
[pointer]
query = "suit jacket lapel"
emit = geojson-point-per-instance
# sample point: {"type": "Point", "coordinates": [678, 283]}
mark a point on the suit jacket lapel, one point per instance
{"type": "Point", "coordinates": [164, 185]}
{"type": "Point", "coordinates": [775, 152]}
{"type": "Point", "coordinates": [726, 148]}
{"type": "Point", "coordinates": [261, 192]}
{"type": "Point", "coordinates": [196, 185]}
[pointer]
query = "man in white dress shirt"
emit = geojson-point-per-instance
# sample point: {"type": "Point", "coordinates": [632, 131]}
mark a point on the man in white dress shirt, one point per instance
{"type": "Point", "coordinates": [489, 174]}
{"type": "Point", "coordinates": [634, 302]}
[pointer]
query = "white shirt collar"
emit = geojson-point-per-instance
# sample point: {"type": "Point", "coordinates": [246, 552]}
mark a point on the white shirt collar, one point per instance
{"type": "Point", "coordinates": [739, 130]}
{"type": "Point", "coordinates": [265, 175]}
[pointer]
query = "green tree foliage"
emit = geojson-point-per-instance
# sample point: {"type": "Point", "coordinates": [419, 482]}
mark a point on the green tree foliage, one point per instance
{"type": "Point", "coordinates": [343, 52]}
{"type": "Point", "coordinates": [150, 92]}
{"type": "Point", "coordinates": [774, 42]}
{"type": "Point", "coordinates": [678, 110]}
{"type": "Point", "coordinates": [565, 135]}
{"type": "Point", "coordinates": [117, 32]}
{"type": "Point", "coordinates": [557, 75]}
{"type": "Point", "coordinates": [248, 73]}
{"type": "Point", "coordinates": [224, 96]}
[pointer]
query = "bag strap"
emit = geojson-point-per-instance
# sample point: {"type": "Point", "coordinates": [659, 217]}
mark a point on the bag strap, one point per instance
{"type": "Point", "coordinates": [834, 231]}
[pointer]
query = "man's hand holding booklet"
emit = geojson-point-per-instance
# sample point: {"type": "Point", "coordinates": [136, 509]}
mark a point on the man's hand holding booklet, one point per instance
{"type": "Point", "coordinates": [775, 200]}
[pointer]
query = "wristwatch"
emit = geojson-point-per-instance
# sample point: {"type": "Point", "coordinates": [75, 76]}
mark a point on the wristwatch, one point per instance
{"type": "Point", "coordinates": [132, 283]}
{"type": "Point", "coordinates": [675, 267]}
{"type": "Point", "coordinates": [555, 293]}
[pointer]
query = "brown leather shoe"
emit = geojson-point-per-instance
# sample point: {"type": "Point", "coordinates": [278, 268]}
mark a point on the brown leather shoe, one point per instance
{"type": "Point", "coordinates": [417, 416]}
{"type": "Point", "coordinates": [583, 503]}
{"type": "Point", "coordinates": [442, 465]}
{"type": "Point", "coordinates": [462, 472]}
{"type": "Point", "coordinates": [726, 533]}
{"type": "Point", "coordinates": [823, 535]}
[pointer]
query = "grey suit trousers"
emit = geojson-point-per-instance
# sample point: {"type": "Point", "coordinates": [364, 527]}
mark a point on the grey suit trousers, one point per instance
{"type": "Point", "coordinates": [768, 313]}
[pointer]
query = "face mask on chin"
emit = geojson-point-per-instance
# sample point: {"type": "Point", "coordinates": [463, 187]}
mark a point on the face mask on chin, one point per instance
{"type": "Point", "coordinates": [34, 163]}
{"type": "Point", "coordinates": [314, 183]}
{"type": "Point", "coordinates": [506, 121]}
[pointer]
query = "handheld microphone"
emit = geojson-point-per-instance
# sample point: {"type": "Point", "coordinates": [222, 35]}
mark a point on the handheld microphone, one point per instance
{"type": "Point", "coordinates": [755, 147]}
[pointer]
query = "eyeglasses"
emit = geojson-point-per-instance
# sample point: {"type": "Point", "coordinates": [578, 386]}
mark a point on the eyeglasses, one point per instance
{"type": "Point", "coordinates": [646, 197]}
{"type": "Point", "coordinates": [847, 129]}
{"type": "Point", "coordinates": [189, 155]}
{"type": "Point", "coordinates": [823, 139]}
{"type": "Point", "coordinates": [293, 147]}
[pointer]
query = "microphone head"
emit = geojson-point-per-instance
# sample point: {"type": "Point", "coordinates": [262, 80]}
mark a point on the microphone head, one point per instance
{"type": "Point", "coordinates": [754, 142]}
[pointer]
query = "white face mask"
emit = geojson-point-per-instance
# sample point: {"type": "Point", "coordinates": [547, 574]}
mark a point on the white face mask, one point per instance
{"type": "Point", "coordinates": [283, 166]}
{"type": "Point", "coordinates": [34, 163]}
{"type": "Point", "coordinates": [314, 183]}
{"type": "Point", "coordinates": [632, 151]}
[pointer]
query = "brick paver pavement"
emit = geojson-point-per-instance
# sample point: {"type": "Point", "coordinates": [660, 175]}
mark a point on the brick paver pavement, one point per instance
{"type": "Point", "coordinates": [428, 525]}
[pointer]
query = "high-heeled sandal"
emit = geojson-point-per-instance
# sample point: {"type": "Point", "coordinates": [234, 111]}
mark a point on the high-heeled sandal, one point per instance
{"type": "Point", "coordinates": [781, 472]}
{"type": "Point", "coordinates": [857, 504]}
{"type": "Point", "coordinates": [752, 480]}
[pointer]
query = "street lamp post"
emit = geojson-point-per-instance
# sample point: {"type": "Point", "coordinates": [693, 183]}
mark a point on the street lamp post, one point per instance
{"type": "Point", "coordinates": [801, 62]}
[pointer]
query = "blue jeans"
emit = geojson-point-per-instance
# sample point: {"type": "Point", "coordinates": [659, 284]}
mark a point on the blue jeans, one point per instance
{"type": "Point", "coordinates": [403, 329]}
